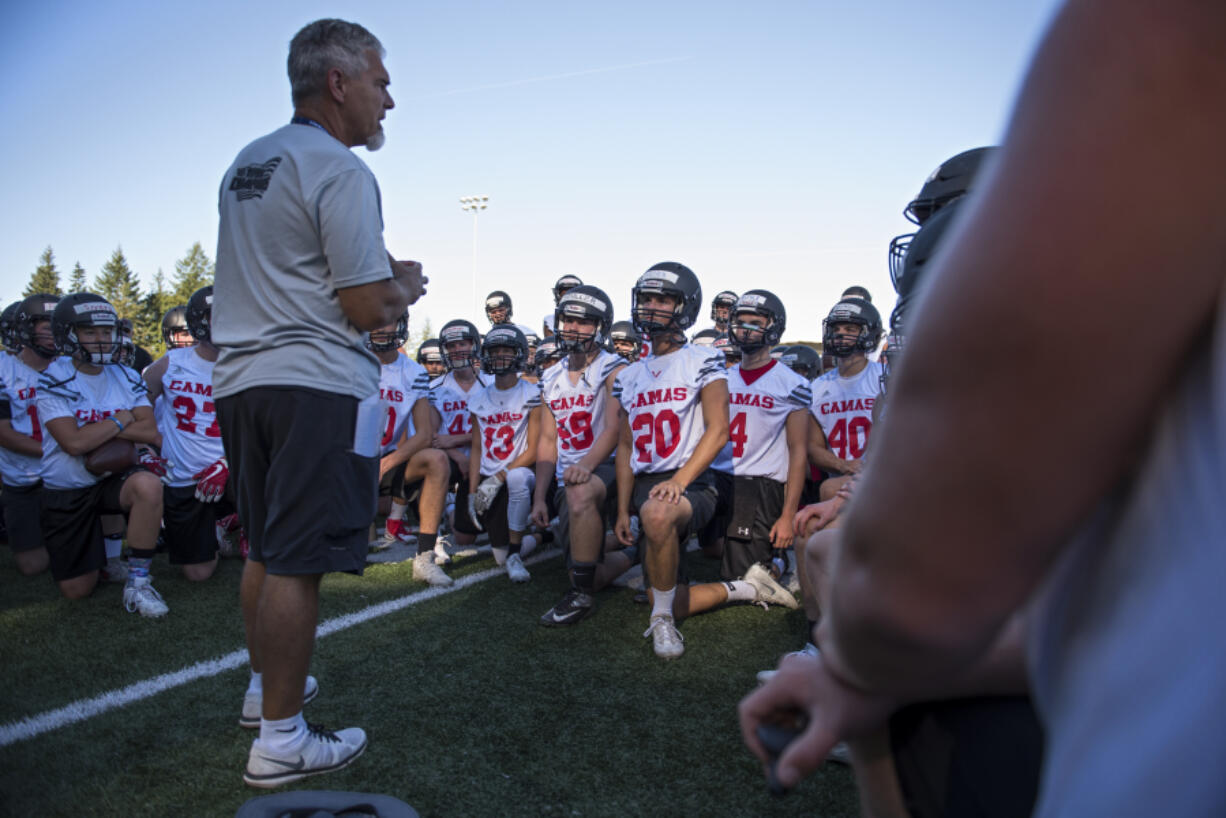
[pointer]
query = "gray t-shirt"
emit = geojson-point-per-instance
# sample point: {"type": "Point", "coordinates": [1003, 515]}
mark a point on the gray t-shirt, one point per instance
{"type": "Point", "coordinates": [1127, 658]}
{"type": "Point", "coordinates": [300, 218]}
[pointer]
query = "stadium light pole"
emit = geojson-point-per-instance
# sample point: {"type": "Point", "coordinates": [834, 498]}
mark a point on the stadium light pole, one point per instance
{"type": "Point", "coordinates": [474, 205]}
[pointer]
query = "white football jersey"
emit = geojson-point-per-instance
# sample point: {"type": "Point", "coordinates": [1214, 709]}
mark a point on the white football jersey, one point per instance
{"type": "Point", "coordinates": [757, 413]}
{"type": "Point", "coordinates": [451, 401]}
{"type": "Point", "coordinates": [186, 416]}
{"type": "Point", "coordinates": [401, 384]}
{"type": "Point", "coordinates": [844, 409]}
{"type": "Point", "coordinates": [503, 416]}
{"type": "Point", "coordinates": [578, 409]}
{"type": "Point", "coordinates": [19, 386]}
{"type": "Point", "coordinates": [661, 396]}
{"type": "Point", "coordinates": [65, 392]}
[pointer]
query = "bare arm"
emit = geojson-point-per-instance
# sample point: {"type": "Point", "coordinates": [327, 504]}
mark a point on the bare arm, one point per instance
{"type": "Point", "coordinates": [821, 456]}
{"type": "Point", "coordinates": [920, 592]}
{"type": "Point", "coordinates": [153, 377]}
{"type": "Point", "coordinates": [15, 441]}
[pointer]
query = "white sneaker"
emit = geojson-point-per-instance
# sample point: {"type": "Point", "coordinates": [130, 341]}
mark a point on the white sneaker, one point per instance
{"type": "Point", "coordinates": [768, 590]}
{"type": "Point", "coordinates": [809, 649]}
{"type": "Point", "coordinates": [424, 570]}
{"type": "Point", "coordinates": [253, 703]}
{"type": "Point", "coordinates": [322, 752]}
{"type": "Point", "coordinates": [666, 640]}
{"type": "Point", "coordinates": [516, 570]}
{"type": "Point", "coordinates": [113, 571]}
{"type": "Point", "coordinates": [140, 595]}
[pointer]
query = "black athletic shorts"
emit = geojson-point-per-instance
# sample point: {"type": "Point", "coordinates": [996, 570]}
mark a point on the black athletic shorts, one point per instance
{"type": "Point", "coordinates": [22, 510]}
{"type": "Point", "coordinates": [71, 526]}
{"type": "Point", "coordinates": [189, 526]}
{"type": "Point", "coordinates": [458, 483]}
{"type": "Point", "coordinates": [701, 493]}
{"type": "Point", "coordinates": [714, 530]}
{"type": "Point", "coordinates": [968, 757]}
{"type": "Point", "coordinates": [305, 497]}
{"type": "Point", "coordinates": [605, 473]}
{"type": "Point", "coordinates": [392, 483]}
{"type": "Point", "coordinates": [752, 509]}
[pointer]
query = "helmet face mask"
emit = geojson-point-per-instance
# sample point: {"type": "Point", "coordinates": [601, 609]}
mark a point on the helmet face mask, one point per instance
{"type": "Point", "coordinates": [125, 350]}
{"type": "Point", "coordinates": [666, 280]}
{"type": "Point", "coordinates": [461, 344]}
{"type": "Point", "coordinates": [175, 331]}
{"type": "Point", "coordinates": [498, 307]}
{"type": "Point", "coordinates": [86, 328]}
{"type": "Point", "coordinates": [582, 320]}
{"type": "Point", "coordinates": [200, 314]}
{"type": "Point", "coordinates": [721, 307]}
{"type": "Point", "coordinates": [624, 341]}
{"type": "Point", "coordinates": [386, 340]}
{"type": "Point", "coordinates": [547, 354]}
{"type": "Point", "coordinates": [753, 335]}
{"type": "Point", "coordinates": [856, 313]}
{"type": "Point", "coordinates": [504, 350]}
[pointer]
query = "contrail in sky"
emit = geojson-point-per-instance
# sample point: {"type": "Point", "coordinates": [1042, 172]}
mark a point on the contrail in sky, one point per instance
{"type": "Point", "coordinates": [567, 75]}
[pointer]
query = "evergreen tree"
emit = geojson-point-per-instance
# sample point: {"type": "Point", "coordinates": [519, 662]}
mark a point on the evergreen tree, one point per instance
{"type": "Point", "coordinates": [76, 281]}
{"type": "Point", "coordinates": [119, 285]}
{"type": "Point", "coordinates": [193, 271]}
{"type": "Point", "coordinates": [157, 302]}
{"type": "Point", "coordinates": [46, 279]}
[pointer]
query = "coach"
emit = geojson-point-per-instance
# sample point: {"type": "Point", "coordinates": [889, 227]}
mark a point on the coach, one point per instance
{"type": "Point", "coordinates": [302, 275]}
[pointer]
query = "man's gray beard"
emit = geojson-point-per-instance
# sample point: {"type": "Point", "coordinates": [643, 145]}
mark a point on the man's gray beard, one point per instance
{"type": "Point", "coordinates": [375, 140]}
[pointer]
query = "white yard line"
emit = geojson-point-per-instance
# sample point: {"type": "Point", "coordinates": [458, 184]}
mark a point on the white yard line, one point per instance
{"type": "Point", "coordinates": [83, 709]}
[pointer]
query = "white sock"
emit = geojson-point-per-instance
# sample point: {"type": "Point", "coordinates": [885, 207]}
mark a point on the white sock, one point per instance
{"type": "Point", "coordinates": [500, 556]}
{"type": "Point", "coordinates": [397, 512]}
{"type": "Point", "coordinates": [662, 601]}
{"type": "Point", "coordinates": [114, 546]}
{"type": "Point", "coordinates": [256, 685]}
{"type": "Point", "coordinates": [282, 734]}
{"type": "Point", "coordinates": [741, 591]}
{"type": "Point", "coordinates": [527, 546]}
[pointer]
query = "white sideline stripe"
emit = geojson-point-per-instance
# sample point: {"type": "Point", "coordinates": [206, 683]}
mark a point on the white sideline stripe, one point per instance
{"type": "Point", "coordinates": [33, 726]}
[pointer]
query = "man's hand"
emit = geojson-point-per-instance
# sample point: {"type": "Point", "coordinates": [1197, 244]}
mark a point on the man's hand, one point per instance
{"type": "Point", "coordinates": [817, 515]}
{"type": "Point", "coordinates": [211, 481]}
{"type": "Point", "coordinates": [575, 475]}
{"type": "Point", "coordinates": [540, 515]}
{"type": "Point", "coordinates": [154, 462]}
{"type": "Point", "coordinates": [835, 712]}
{"type": "Point", "coordinates": [852, 466]}
{"type": "Point", "coordinates": [472, 512]}
{"type": "Point", "coordinates": [781, 533]}
{"type": "Point", "coordinates": [409, 274]}
{"type": "Point", "coordinates": [670, 491]}
{"type": "Point", "coordinates": [622, 529]}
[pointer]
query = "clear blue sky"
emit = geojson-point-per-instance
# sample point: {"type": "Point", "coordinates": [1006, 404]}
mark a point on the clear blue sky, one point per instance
{"type": "Point", "coordinates": [766, 144]}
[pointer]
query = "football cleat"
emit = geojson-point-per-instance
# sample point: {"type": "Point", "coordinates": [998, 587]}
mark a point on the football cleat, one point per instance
{"type": "Point", "coordinates": [572, 608]}
{"type": "Point", "coordinates": [396, 531]}
{"type": "Point", "coordinates": [424, 570]}
{"type": "Point", "coordinates": [768, 590]}
{"type": "Point", "coordinates": [323, 752]}
{"type": "Point", "coordinates": [516, 570]}
{"type": "Point", "coordinates": [140, 596]}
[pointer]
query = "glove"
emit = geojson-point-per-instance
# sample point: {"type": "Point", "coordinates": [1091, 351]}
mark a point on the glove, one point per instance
{"type": "Point", "coordinates": [154, 462]}
{"type": "Point", "coordinates": [211, 481]}
{"type": "Point", "coordinates": [472, 512]}
{"type": "Point", "coordinates": [486, 492]}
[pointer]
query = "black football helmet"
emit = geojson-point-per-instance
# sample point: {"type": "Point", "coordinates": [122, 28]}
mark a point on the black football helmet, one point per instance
{"type": "Point", "coordinates": [460, 330]}
{"type": "Point", "coordinates": [430, 350]}
{"type": "Point", "coordinates": [547, 354]}
{"type": "Point", "coordinates": [732, 352]}
{"type": "Point", "coordinates": [84, 310]}
{"type": "Point", "coordinates": [666, 278]}
{"type": "Point", "coordinates": [724, 299]}
{"type": "Point", "coordinates": [381, 340]}
{"type": "Point", "coordinates": [624, 341]}
{"type": "Point", "coordinates": [498, 307]}
{"type": "Point", "coordinates": [125, 349]}
{"type": "Point", "coordinates": [8, 327]}
{"type": "Point", "coordinates": [174, 322]}
{"type": "Point", "coordinates": [852, 311]}
{"type": "Point", "coordinates": [763, 303]}
{"type": "Point", "coordinates": [30, 311]}
{"type": "Point", "coordinates": [200, 314]}
{"type": "Point", "coordinates": [803, 360]}
{"type": "Point", "coordinates": [953, 178]}
{"type": "Point", "coordinates": [922, 250]}
{"type": "Point", "coordinates": [705, 337]}
{"type": "Point", "coordinates": [587, 302]}
{"type": "Point", "coordinates": [778, 352]}
{"type": "Point", "coordinates": [503, 336]}
{"type": "Point", "coordinates": [566, 282]}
